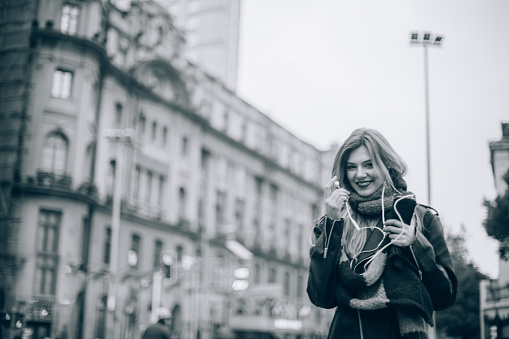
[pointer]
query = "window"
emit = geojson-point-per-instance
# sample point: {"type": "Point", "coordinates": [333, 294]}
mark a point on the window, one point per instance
{"type": "Point", "coordinates": [239, 213]}
{"type": "Point", "coordinates": [287, 284]}
{"type": "Point", "coordinates": [107, 246]}
{"type": "Point", "coordinates": [54, 153]}
{"type": "Point", "coordinates": [62, 82]}
{"type": "Point", "coordinates": [118, 115]}
{"type": "Point", "coordinates": [184, 146]}
{"type": "Point", "coordinates": [154, 130]}
{"type": "Point", "coordinates": [137, 177]}
{"type": "Point", "coordinates": [141, 124]}
{"type": "Point", "coordinates": [289, 234]}
{"type": "Point", "coordinates": [149, 187]}
{"type": "Point", "coordinates": [69, 19]}
{"type": "Point", "coordinates": [161, 191]}
{"type": "Point", "coordinates": [135, 246]}
{"type": "Point", "coordinates": [204, 179]}
{"type": "Point", "coordinates": [110, 184]}
{"type": "Point", "coordinates": [272, 275]}
{"type": "Point", "coordinates": [300, 286]}
{"type": "Point", "coordinates": [182, 204]}
{"type": "Point", "coordinates": [158, 248]}
{"type": "Point", "coordinates": [180, 252]}
{"type": "Point", "coordinates": [273, 208]}
{"type": "Point", "coordinates": [100, 317]}
{"type": "Point", "coordinates": [165, 136]}
{"type": "Point", "coordinates": [300, 241]}
{"type": "Point", "coordinates": [226, 121]}
{"type": "Point", "coordinates": [220, 209]}
{"type": "Point", "coordinates": [244, 131]}
{"type": "Point", "coordinates": [257, 274]}
{"type": "Point", "coordinates": [258, 205]}
{"type": "Point", "coordinates": [47, 252]}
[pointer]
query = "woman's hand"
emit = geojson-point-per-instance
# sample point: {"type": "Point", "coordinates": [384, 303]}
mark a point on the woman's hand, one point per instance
{"type": "Point", "coordinates": [334, 197]}
{"type": "Point", "coordinates": [403, 232]}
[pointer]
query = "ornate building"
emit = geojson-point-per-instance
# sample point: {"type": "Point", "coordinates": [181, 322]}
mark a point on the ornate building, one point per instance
{"type": "Point", "coordinates": [494, 294]}
{"type": "Point", "coordinates": [115, 149]}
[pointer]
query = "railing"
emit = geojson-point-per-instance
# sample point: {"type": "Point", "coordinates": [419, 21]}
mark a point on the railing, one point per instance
{"type": "Point", "coordinates": [495, 293]}
{"type": "Point", "coordinates": [53, 180]}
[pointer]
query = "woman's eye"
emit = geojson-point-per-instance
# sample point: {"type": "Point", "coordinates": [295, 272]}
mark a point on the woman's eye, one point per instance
{"type": "Point", "coordinates": [369, 165]}
{"type": "Point", "coordinates": [350, 167]}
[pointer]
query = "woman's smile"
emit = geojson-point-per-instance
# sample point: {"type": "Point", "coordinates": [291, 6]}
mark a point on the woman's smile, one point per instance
{"type": "Point", "coordinates": [364, 184]}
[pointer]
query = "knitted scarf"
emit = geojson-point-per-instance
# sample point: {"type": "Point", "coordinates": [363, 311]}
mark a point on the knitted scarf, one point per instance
{"type": "Point", "coordinates": [372, 205]}
{"type": "Point", "coordinates": [390, 279]}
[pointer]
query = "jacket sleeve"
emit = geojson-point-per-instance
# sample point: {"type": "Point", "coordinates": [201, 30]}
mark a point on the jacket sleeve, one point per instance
{"type": "Point", "coordinates": [432, 255]}
{"type": "Point", "coordinates": [323, 276]}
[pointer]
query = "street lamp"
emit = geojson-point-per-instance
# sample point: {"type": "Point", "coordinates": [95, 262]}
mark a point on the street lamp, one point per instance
{"type": "Point", "coordinates": [425, 40]}
{"type": "Point", "coordinates": [120, 137]}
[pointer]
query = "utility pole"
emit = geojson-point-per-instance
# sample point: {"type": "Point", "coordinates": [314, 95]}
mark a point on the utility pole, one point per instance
{"type": "Point", "coordinates": [426, 41]}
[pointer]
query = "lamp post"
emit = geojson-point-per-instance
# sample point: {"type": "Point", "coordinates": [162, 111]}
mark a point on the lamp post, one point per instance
{"type": "Point", "coordinates": [120, 137]}
{"type": "Point", "coordinates": [427, 40]}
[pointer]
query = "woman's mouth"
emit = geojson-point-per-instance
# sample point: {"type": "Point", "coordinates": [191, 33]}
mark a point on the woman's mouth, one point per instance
{"type": "Point", "coordinates": [363, 184]}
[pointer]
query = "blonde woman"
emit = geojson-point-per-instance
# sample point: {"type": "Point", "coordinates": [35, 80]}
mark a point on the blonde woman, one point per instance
{"type": "Point", "coordinates": [379, 257]}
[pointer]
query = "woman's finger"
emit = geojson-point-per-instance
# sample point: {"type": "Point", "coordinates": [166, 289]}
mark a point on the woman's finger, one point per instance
{"type": "Point", "coordinates": [392, 229]}
{"type": "Point", "coordinates": [395, 223]}
{"type": "Point", "coordinates": [329, 187]}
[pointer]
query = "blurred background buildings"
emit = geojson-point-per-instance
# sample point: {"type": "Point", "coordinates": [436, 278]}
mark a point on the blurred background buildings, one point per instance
{"type": "Point", "coordinates": [122, 139]}
{"type": "Point", "coordinates": [494, 294]}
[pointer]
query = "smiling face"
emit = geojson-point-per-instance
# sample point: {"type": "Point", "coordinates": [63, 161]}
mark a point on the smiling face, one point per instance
{"type": "Point", "coordinates": [361, 173]}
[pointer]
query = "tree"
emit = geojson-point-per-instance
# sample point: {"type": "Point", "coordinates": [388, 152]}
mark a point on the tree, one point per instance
{"type": "Point", "coordinates": [462, 319]}
{"type": "Point", "coordinates": [497, 219]}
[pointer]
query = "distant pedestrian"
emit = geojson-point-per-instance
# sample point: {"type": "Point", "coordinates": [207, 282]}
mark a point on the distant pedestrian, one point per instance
{"type": "Point", "coordinates": [379, 257]}
{"type": "Point", "coordinates": [160, 329]}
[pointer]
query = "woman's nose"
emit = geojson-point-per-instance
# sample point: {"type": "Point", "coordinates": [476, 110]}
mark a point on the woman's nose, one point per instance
{"type": "Point", "coordinates": [360, 172]}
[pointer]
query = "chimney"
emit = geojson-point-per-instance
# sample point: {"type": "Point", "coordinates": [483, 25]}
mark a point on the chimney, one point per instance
{"type": "Point", "coordinates": [505, 130]}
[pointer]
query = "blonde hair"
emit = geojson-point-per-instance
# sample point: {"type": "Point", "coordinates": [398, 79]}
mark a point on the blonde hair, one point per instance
{"type": "Point", "coordinates": [385, 162]}
{"type": "Point", "coordinates": [383, 156]}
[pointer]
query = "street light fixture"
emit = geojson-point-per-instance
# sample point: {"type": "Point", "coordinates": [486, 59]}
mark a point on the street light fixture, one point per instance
{"type": "Point", "coordinates": [425, 40]}
{"type": "Point", "coordinates": [434, 40]}
{"type": "Point", "coordinates": [120, 137]}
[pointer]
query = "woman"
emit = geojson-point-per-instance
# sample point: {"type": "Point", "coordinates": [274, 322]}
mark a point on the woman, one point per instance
{"type": "Point", "coordinates": [379, 257]}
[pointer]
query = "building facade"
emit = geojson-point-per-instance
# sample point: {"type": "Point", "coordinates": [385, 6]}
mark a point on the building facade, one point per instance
{"type": "Point", "coordinates": [114, 148]}
{"type": "Point", "coordinates": [212, 35]}
{"type": "Point", "coordinates": [494, 294]}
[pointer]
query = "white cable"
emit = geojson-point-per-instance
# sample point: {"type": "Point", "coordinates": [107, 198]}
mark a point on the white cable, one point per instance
{"type": "Point", "coordinates": [393, 240]}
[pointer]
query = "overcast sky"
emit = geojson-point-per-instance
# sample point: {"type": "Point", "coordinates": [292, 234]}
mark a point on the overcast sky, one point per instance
{"type": "Point", "coordinates": [322, 68]}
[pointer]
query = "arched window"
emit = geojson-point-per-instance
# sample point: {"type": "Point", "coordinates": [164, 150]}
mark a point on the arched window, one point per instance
{"type": "Point", "coordinates": [54, 153]}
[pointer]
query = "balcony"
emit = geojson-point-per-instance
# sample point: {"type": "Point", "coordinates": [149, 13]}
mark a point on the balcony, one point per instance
{"type": "Point", "coordinates": [53, 180]}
